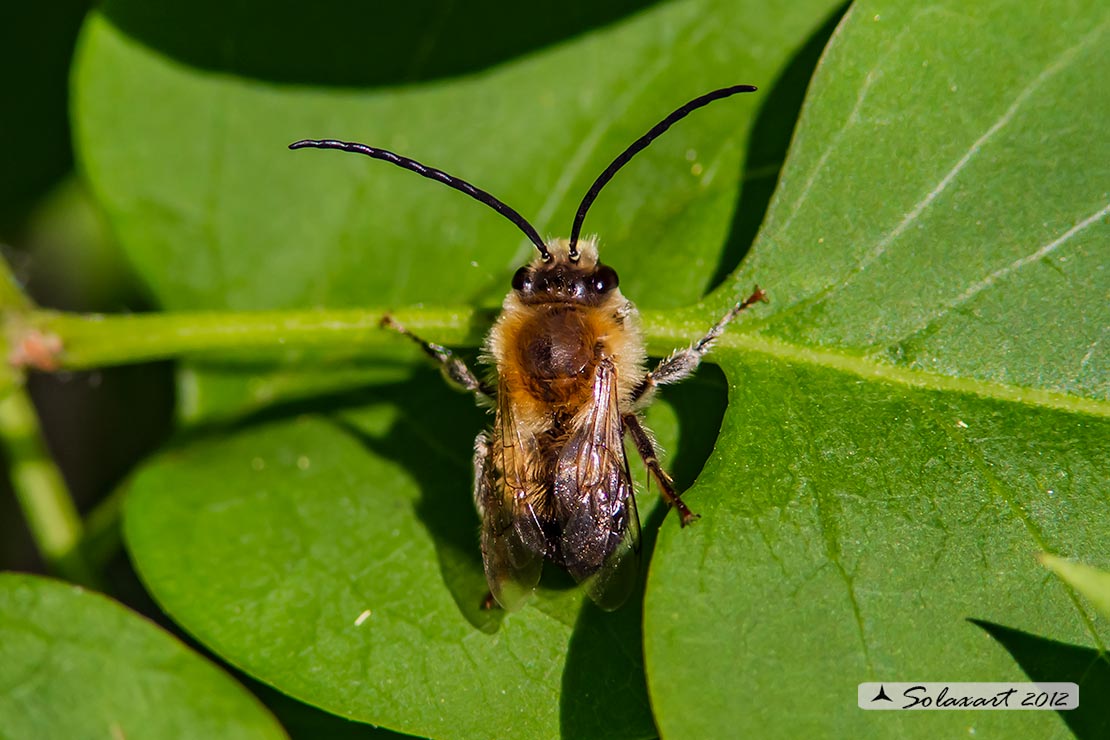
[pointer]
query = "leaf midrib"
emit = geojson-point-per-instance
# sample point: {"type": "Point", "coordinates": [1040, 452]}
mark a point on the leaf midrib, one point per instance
{"type": "Point", "coordinates": [919, 379]}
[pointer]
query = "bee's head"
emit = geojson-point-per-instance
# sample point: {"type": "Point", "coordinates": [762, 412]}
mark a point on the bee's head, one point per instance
{"type": "Point", "coordinates": [563, 279]}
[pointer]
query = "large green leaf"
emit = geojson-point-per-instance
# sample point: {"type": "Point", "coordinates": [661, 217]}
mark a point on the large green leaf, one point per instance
{"type": "Point", "coordinates": [335, 556]}
{"type": "Point", "coordinates": [925, 404]}
{"type": "Point", "coordinates": [74, 664]}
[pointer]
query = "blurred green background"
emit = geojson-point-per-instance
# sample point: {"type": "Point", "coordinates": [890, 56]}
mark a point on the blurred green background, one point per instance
{"type": "Point", "coordinates": [97, 424]}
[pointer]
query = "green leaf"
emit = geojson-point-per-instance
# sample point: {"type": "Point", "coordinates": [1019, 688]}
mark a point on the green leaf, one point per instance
{"type": "Point", "coordinates": [75, 664]}
{"type": "Point", "coordinates": [1091, 582]}
{"type": "Point", "coordinates": [925, 403]}
{"type": "Point", "coordinates": [335, 556]}
{"type": "Point", "coordinates": [945, 203]}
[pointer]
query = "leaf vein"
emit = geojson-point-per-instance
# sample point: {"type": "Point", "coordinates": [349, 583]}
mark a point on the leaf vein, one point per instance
{"type": "Point", "coordinates": [602, 124]}
{"type": "Point", "coordinates": [1001, 491]}
{"type": "Point", "coordinates": [1007, 116]}
{"type": "Point", "coordinates": [1047, 249]}
{"type": "Point", "coordinates": [879, 249]}
{"type": "Point", "coordinates": [869, 369]}
{"type": "Point", "coordinates": [981, 285]}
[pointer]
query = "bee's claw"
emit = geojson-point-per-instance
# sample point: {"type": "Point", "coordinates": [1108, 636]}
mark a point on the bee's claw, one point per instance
{"type": "Point", "coordinates": [688, 517]}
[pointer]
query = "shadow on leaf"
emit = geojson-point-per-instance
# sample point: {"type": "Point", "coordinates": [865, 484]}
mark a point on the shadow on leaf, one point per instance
{"type": "Point", "coordinates": [303, 721]}
{"type": "Point", "coordinates": [604, 686]}
{"type": "Point", "coordinates": [344, 43]}
{"type": "Point", "coordinates": [1045, 660]}
{"type": "Point", "coordinates": [767, 146]}
{"type": "Point", "coordinates": [432, 439]}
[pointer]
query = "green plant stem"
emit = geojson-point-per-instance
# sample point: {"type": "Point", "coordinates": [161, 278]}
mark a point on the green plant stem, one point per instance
{"type": "Point", "coordinates": [11, 294]}
{"type": "Point", "coordinates": [90, 341]}
{"type": "Point", "coordinates": [42, 493]}
{"type": "Point", "coordinates": [98, 340]}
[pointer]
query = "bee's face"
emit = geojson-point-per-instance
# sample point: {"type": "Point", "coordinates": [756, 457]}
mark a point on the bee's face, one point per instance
{"type": "Point", "coordinates": [560, 280]}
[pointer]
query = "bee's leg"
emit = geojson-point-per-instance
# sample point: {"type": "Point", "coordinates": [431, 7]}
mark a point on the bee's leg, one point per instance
{"type": "Point", "coordinates": [481, 491]}
{"type": "Point", "coordinates": [454, 369]}
{"type": "Point", "coordinates": [682, 363]}
{"type": "Point", "coordinates": [646, 449]}
{"type": "Point", "coordinates": [481, 472]}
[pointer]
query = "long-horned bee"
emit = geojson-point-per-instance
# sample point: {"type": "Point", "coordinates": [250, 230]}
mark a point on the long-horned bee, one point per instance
{"type": "Point", "coordinates": [568, 382]}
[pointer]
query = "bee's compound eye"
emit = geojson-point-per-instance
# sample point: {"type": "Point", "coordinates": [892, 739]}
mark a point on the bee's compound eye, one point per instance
{"type": "Point", "coordinates": [522, 279]}
{"type": "Point", "coordinates": [605, 279]}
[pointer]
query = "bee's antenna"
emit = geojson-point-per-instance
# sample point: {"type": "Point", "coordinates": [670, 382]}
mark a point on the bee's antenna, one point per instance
{"type": "Point", "coordinates": [638, 146]}
{"type": "Point", "coordinates": [432, 174]}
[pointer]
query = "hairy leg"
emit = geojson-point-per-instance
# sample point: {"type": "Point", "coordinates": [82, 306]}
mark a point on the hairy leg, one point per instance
{"type": "Point", "coordinates": [647, 452]}
{"type": "Point", "coordinates": [454, 369]}
{"type": "Point", "coordinates": [682, 363]}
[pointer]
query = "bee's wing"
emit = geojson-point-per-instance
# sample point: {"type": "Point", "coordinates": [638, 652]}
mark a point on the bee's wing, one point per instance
{"type": "Point", "coordinates": [510, 554]}
{"type": "Point", "coordinates": [610, 585]}
{"type": "Point", "coordinates": [593, 493]}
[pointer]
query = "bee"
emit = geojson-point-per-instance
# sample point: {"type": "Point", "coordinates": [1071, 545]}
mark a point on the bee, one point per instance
{"type": "Point", "coordinates": [569, 382]}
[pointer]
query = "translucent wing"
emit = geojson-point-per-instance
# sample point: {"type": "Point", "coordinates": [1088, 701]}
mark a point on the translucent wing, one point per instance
{"type": "Point", "coordinates": [594, 499]}
{"type": "Point", "coordinates": [510, 530]}
{"type": "Point", "coordinates": [611, 585]}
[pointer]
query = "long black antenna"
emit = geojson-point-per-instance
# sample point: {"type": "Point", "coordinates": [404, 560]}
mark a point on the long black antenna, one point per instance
{"type": "Point", "coordinates": [638, 146]}
{"type": "Point", "coordinates": [432, 174]}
